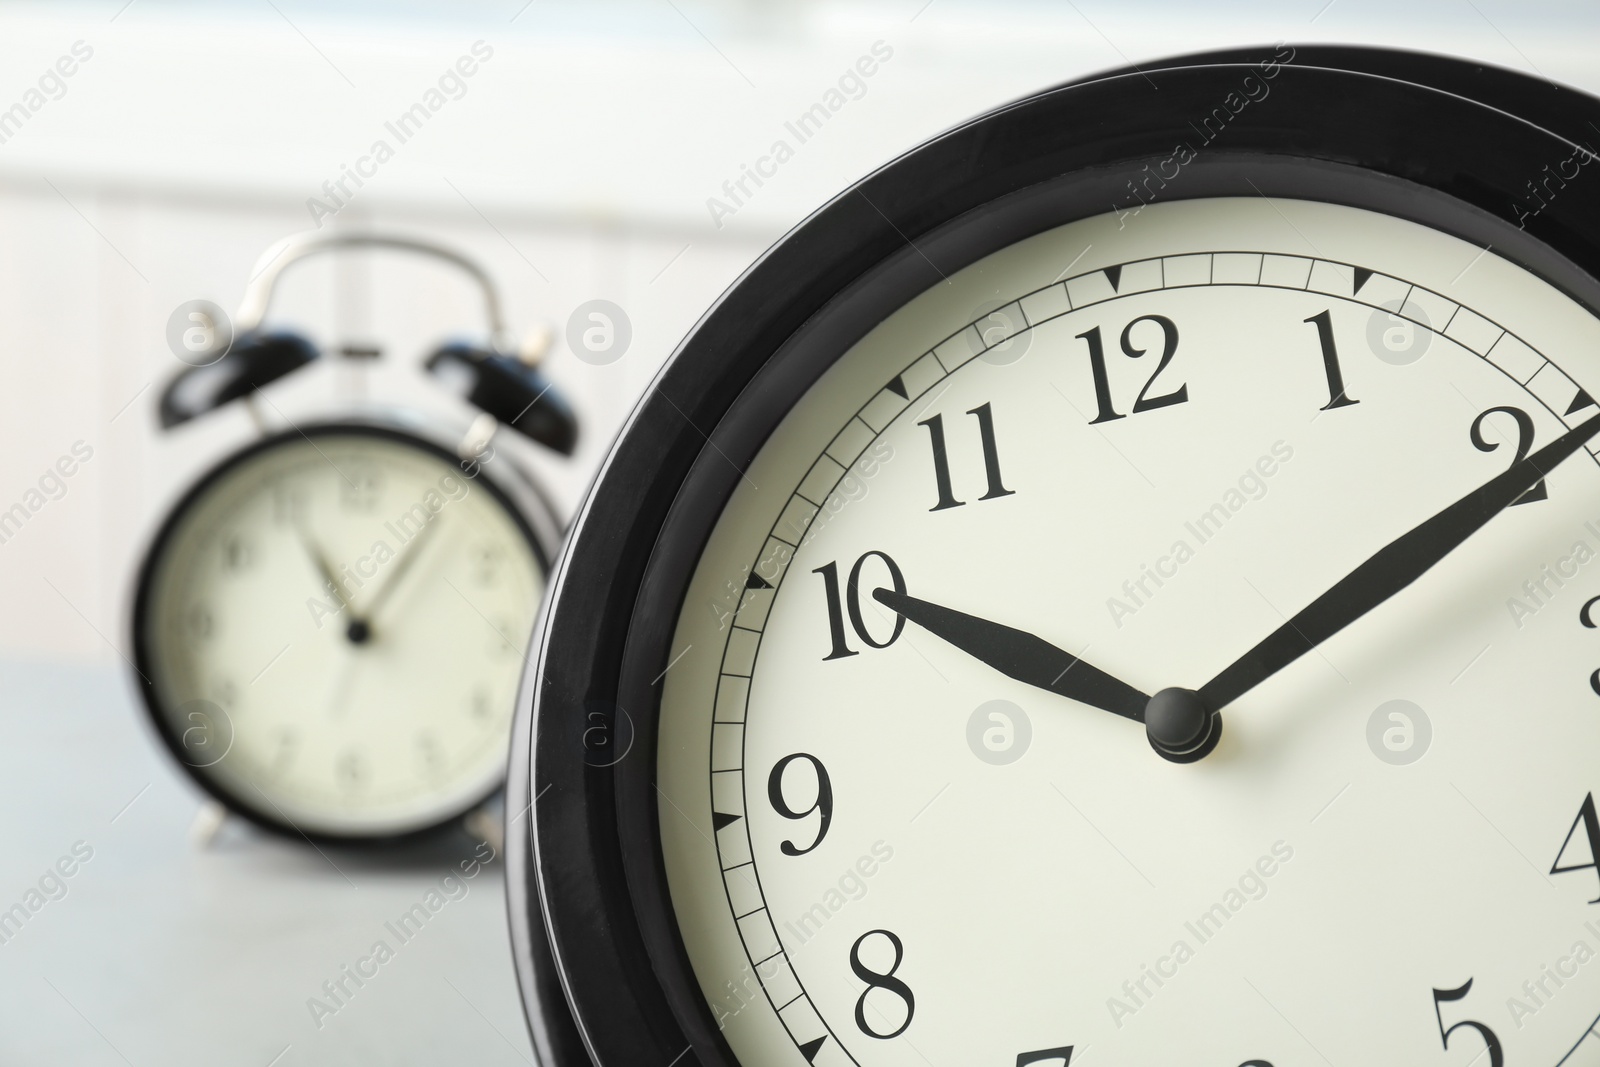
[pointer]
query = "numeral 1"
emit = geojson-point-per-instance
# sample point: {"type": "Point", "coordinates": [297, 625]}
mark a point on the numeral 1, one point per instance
{"type": "Point", "coordinates": [991, 454]}
{"type": "Point", "coordinates": [941, 459]}
{"type": "Point", "coordinates": [830, 585]}
{"type": "Point", "coordinates": [1330, 362]}
{"type": "Point", "coordinates": [1102, 383]}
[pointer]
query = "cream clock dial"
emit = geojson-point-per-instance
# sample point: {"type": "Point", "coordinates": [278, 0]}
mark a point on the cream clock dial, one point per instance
{"type": "Point", "coordinates": [333, 627]}
{"type": "Point", "coordinates": [1150, 464]}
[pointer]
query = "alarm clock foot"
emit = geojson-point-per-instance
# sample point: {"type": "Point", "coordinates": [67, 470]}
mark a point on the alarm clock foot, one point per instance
{"type": "Point", "coordinates": [485, 825]}
{"type": "Point", "coordinates": [208, 823]}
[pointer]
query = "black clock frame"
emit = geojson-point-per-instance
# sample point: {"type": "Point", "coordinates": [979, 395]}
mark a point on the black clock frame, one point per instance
{"type": "Point", "coordinates": [1440, 141]}
{"type": "Point", "coordinates": [140, 636]}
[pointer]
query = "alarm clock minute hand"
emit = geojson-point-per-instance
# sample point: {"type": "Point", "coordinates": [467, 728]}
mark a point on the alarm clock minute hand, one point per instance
{"type": "Point", "coordinates": [406, 559]}
{"type": "Point", "coordinates": [1389, 570]}
{"type": "Point", "coordinates": [1021, 655]}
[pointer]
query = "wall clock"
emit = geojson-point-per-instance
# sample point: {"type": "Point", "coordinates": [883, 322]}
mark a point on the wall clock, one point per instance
{"type": "Point", "coordinates": [1116, 584]}
{"type": "Point", "coordinates": [329, 626]}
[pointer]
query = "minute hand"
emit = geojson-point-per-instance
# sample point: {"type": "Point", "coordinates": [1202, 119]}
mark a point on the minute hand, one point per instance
{"type": "Point", "coordinates": [1392, 568]}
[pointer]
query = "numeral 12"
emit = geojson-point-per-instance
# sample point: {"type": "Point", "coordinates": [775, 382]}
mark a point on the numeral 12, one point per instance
{"type": "Point", "coordinates": [1102, 382]}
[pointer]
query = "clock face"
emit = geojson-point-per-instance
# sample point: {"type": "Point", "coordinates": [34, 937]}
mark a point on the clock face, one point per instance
{"type": "Point", "coordinates": [332, 628]}
{"type": "Point", "coordinates": [1148, 442]}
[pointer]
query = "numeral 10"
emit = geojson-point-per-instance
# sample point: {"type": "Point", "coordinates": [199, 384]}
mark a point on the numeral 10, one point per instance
{"type": "Point", "coordinates": [849, 602]}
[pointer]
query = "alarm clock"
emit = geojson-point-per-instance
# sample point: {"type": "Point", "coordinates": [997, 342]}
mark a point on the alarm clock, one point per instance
{"type": "Point", "coordinates": [1117, 584]}
{"type": "Point", "coordinates": [329, 626]}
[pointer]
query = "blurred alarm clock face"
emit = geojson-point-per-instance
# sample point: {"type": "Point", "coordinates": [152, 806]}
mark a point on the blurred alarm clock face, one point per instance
{"type": "Point", "coordinates": [1134, 603]}
{"type": "Point", "coordinates": [332, 625]}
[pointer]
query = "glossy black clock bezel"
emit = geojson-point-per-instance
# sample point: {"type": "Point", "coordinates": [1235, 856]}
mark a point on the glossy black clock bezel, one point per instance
{"type": "Point", "coordinates": [142, 637]}
{"type": "Point", "coordinates": [1440, 141]}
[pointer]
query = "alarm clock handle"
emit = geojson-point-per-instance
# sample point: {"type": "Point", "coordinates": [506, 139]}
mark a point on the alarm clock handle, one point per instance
{"type": "Point", "coordinates": [499, 378]}
{"type": "Point", "coordinates": [502, 378]}
{"type": "Point", "coordinates": [290, 250]}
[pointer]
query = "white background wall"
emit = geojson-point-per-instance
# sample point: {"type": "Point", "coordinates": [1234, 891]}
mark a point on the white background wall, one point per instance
{"type": "Point", "coordinates": [577, 165]}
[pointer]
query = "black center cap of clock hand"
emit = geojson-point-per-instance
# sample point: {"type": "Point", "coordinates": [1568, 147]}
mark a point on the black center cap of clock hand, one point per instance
{"type": "Point", "coordinates": [1180, 726]}
{"type": "Point", "coordinates": [359, 632]}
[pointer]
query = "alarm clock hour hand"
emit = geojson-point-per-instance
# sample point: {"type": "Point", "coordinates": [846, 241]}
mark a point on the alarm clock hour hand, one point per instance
{"type": "Point", "coordinates": [1020, 655]}
{"type": "Point", "coordinates": [320, 562]}
{"type": "Point", "coordinates": [1392, 568]}
{"type": "Point", "coordinates": [357, 631]}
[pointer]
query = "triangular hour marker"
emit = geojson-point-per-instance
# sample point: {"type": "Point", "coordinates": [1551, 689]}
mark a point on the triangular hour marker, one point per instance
{"type": "Point", "coordinates": [1362, 274]}
{"type": "Point", "coordinates": [755, 581]}
{"type": "Point", "coordinates": [810, 1048]}
{"type": "Point", "coordinates": [719, 819]}
{"type": "Point", "coordinates": [1579, 402]}
{"type": "Point", "coordinates": [897, 387]}
{"type": "Point", "coordinates": [1114, 276]}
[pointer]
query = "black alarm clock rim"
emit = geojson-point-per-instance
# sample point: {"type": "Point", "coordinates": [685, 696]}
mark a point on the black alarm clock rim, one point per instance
{"type": "Point", "coordinates": [143, 590]}
{"type": "Point", "coordinates": [607, 842]}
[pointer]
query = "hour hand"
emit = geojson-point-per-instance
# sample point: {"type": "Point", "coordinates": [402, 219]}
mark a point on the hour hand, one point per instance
{"type": "Point", "coordinates": [1020, 655]}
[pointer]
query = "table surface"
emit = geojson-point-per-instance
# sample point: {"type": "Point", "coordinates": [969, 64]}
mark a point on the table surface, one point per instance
{"type": "Point", "coordinates": [156, 951]}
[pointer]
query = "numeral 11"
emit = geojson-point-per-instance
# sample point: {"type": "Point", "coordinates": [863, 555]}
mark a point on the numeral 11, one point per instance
{"type": "Point", "coordinates": [941, 459]}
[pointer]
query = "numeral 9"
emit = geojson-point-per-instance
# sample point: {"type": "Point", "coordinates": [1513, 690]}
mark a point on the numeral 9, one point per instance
{"type": "Point", "coordinates": [823, 804]}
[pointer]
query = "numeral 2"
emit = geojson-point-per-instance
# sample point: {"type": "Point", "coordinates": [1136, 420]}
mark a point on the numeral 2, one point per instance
{"type": "Point", "coordinates": [1102, 382]}
{"type": "Point", "coordinates": [1524, 445]}
{"type": "Point", "coordinates": [851, 602]}
{"type": "Point", "coordinates": [941, 459]}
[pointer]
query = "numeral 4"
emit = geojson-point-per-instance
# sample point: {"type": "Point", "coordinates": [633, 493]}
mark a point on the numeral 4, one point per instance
{"type": "Point", "coordinates": [1591, 832]}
